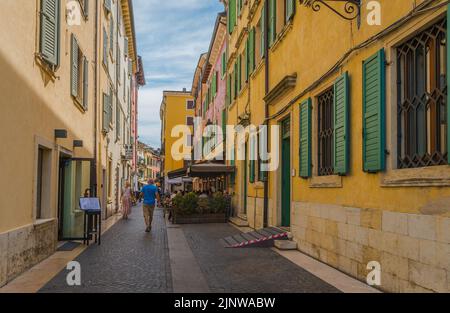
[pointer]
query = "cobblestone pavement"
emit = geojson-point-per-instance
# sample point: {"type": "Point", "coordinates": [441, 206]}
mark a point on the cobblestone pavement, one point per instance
{"type": "Point", "coordinates": [248, 270]}
{"type": "Point", "coordinates": [128, 260]}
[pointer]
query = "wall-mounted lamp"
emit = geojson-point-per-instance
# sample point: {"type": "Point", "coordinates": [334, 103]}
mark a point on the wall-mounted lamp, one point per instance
{"type": "Point", "coordinates": [78, 143]}
{"type": "Point", "coordinates": [60, 133]}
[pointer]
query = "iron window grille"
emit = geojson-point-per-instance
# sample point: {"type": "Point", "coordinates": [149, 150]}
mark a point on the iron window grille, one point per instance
{"type": "Point", "coordinates": [326, 132]}
{"type": "Point", "coordinates": [422, 98]}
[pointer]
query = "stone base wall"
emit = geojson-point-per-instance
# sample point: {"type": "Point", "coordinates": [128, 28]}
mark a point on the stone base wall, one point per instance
{"type": "Point", "coordinates": [22, 248]}
{"type": "Point", "coordinates": [255, 211]}
{"type": "Point", "coordinates": [412, 249]}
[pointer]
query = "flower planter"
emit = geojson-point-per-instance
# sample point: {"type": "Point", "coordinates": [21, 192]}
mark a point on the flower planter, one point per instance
{"type": "Point", "coordinates": [200, 218]}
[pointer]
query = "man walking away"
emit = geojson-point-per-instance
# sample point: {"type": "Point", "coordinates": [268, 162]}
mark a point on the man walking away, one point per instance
{"type": "Point", "coordinates": [150, 193]}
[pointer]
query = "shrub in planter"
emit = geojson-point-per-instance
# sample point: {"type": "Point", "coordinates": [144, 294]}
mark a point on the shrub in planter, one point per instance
{"type": "Point", "coordinates": [203, 205]}
{"type": "Point", "coordinates": [190, 203]}
{"type": "Point", "coordinates": [218, 203]}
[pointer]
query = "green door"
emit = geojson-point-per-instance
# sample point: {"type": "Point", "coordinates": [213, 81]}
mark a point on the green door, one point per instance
{"type": "Point", "coordinates": [286, 175]}
{"type": "Point", "coordinates": [245, 180]}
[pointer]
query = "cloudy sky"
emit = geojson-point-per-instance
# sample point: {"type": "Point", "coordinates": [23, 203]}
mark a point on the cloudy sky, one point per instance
{"type": "Point", "coordinates": [171, 35]}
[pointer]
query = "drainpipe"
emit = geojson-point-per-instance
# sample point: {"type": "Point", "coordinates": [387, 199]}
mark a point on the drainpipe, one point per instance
{"type": "Point", "coordinates": [95, 166]}
{"type": "Point", "coordinates": [266, 107]}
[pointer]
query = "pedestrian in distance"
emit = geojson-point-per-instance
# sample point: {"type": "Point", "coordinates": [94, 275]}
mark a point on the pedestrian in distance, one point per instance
{"type": "Point", "coordinates": [151, 198]}
{"type": "Point", "coordinates": [126, 200]}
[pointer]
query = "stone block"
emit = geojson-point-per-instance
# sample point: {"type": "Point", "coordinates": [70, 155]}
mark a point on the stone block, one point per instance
{"type": "Point", "coordinates": [408, 247]}
{"type": "Point", "coordinates": [390, 242]}
{"type": "Point", "coordinates": [371, 254]}
{"type": "Point", "coordinates": [427, 252]}
{"type": "Point", "coordinates": [443, 256]}
{"type": "Point", "coordinates": [376, 239]}
{"type": "Point", "coordinates": [354, 251]}
{"type": "Point", "coordinates": [422, 226]}
{"type": "Point", "coordinates": [395, 265]}
{"type": "Point", "coordinates": [428, 276]}
{"type": "Point", "coordinates": [361, 236]}
{"type": "Point", "coordinates": [390, 282]}
{"type": "Point", "coordinates": [341, 246]}
{"type": "Point", "coordinates": [353, 216]}
{"type": "Point", "coordinates": [299, 233]}
{"type": "Point", "coordinates": [371, 218]}
{"type": "Point", "coordinates": [443, 229]}
{"type": "Point", "coordinates": [316, 224]}
{"type": "Point", "coordinates": [348, 266]}
{"type": "Point", "coordinates": [285, 245]}
{"type": "Point", "coordinates": [331, 228]}
{"type": "Point", "coordinates": [3, 258]}
{"type": "Point", "coordinates": [395, 222]}
{"type": "Point", "coordinates": [342, 229]}
{"type": "Point", "coordinates": [338, 214]}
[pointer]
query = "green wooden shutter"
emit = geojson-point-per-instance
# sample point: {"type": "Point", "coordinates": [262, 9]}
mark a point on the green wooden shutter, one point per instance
{"type": "Point", "coordinates": [117, 120]}
{"type": "Point", "coordinates": [252, 163]}
{"type": "Point", "coordinates": [125, 45]}
{"type": "Point", "coordinates": [252, 50]}
{"type": "Point", "coordinates": [111, 35]}
{"type": "Point", "coordinates": [305, 139]}
{"type": "Point", "coordinates": [130, 68]}
{"type": "Point", "coordinates": [223, 65]}
{"type": "Point", "coordinates": [341, 125]}
{"type": "Point", "coordinates": [228, 90]}
{"type": "Point", "coordinates": [85, 83]}
{"type": "Point", "coordinates": [49, 33]}
{"type": "Point", "coordinates": [74, 67]}
{"type": "Point", "coordinates": [263, 31]}
{"type": "Point", "coordinates": [224, 124]}
{"type": "Point", "coordinates": [272, 21]}
{"type": "Point", "coordinates": [86, 8]}
{"type": "Point", "coordinates": [374, 113]}
{"type": "Point", "coordinates": [105, 113]}
{"type": "Point", "coordinates": [290, 9]}
{"type": "Point", "coordinates": [105, 47]}
{"type": "Point", "coordinates": [247, 59]}
{"type": "Point", "coordinates": [233, 163]}
{"type": "Point", "coordinates": [231, 15]}
{"type": "Point", "coordinates": [239, 73]}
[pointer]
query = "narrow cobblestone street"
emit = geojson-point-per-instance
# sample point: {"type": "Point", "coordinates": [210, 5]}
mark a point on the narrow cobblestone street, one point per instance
{"type": "Point", "coordinates": [130, 260]}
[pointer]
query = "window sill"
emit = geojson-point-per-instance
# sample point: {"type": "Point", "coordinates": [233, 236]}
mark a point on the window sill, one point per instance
{"type": "Point", "coordinates": [78, 104]}
{"type": "Point", "coordinates": [45, 67]}
{"type": "Point", "coordinates": [332, 181]}
{"type": "Point", "coordinates": [40, 223]}
{"type": "Point", "coordinates": [417, 177]}
{"type": "Point", "coordinates": [286, 30]}
{"type": "Point", "coordinates": [258, 69]}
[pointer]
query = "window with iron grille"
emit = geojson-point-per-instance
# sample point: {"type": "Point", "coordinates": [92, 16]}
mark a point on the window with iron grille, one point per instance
{"type": "Point", "coordinates": [326, 132]}
{"type": "Point", "coordinates": [422, 98]}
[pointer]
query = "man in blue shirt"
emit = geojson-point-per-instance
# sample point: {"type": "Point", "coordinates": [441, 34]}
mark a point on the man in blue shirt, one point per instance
{"type": "Point", "coordinates": [150, 193]}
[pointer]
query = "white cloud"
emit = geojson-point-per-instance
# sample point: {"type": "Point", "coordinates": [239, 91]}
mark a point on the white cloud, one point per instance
{"type": "Point", "coordinates": [171, 35]}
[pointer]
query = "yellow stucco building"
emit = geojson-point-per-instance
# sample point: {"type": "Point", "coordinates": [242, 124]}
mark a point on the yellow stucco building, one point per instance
{"type": "Point", "coordinates": [52, 105]}
{"type": "Point", "coordinates": [177, 109]}
{"type": "Point", "coordinates": [364, 134]}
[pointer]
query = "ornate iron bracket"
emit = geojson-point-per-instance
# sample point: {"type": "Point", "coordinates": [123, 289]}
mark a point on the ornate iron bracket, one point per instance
{"type": "Point", "coordinates": [351, 8]}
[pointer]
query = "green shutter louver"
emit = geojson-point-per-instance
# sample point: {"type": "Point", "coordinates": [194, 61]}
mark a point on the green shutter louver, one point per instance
{"type": "Point", "coordinates": [125, 46]}
{"type": "Point", "coordinates": [105, 47]}
{"type": "Point", "coordinates": [224, 125]}
{"type": "Point", "coordinates": [251, 52]}
{"type": "Point", "coordinates": [111, 35]}
{"type": "Point", "coordinates": [86, 8]}
{"type": "Point", "coordinates": [74, 67]}
{"type": "Point", "coordinates": [290, 9]}
{"type": "Point", "coordinates": [231, 16]}
{"type": "Point", "coordinates": [233, 163]}
{"type": "Point", "coordinates": [246, 60]}
{"type": "Point", "coordinates": [374, 113]}
{"type": "Point", "coordinates": [85, 83]}
{"type": "Point", "coordinates": [263, 30]}
{"type": "Point", "coordinates": [252, 163]}
{"type": "Point", "coordinates": [305, 139]}
{"type": "Point", "coordinates": [228, 98]}
{"type": "Point", "coordinates": [239, 73]}
{"type": "Point", "coordinates": [49, 33]}
{"type": "Point", "coordinates": [341, 125]}
{"type": "Point", "coordinates": [272, 21]}
{"type": "Point", "coordinates": [130, 68]}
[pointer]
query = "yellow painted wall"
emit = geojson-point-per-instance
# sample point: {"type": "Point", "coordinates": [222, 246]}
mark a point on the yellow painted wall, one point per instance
{"type": "Point", "coordinates": [33, 105]}
{"type": "Point", "coordinates": [310, 47]}
{"type": "Point", "coordinates": [174, 112]}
